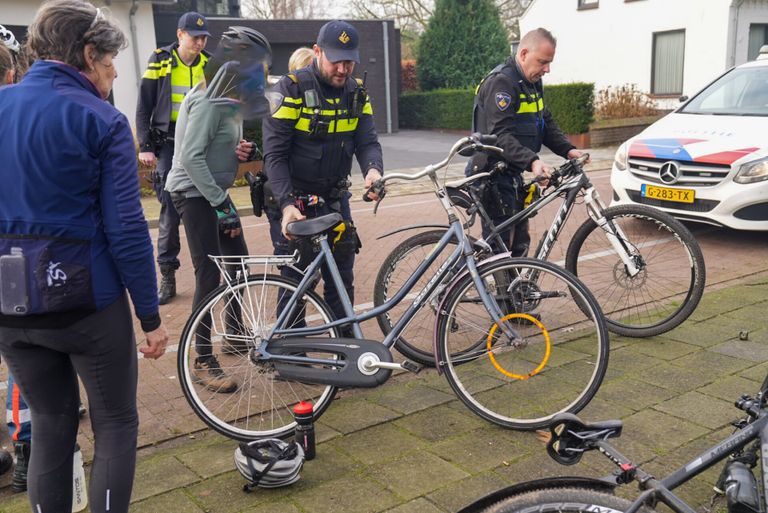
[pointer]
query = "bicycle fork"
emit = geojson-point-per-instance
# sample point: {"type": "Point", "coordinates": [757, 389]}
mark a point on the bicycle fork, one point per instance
{"type": "Point", "coordinates": [617, 238]}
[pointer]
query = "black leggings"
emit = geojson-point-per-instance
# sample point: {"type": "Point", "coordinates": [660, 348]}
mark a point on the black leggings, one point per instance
{"type": "Point", "coordinates": [101, 349]}
{"type": "Point", "coordinates": [204, 238]}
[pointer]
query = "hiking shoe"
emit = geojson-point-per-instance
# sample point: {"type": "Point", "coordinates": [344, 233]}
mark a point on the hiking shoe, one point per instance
{"type": "Point", "coordinates": [209, 373]}
{"type": "Point", "coordinates": [167, 285]}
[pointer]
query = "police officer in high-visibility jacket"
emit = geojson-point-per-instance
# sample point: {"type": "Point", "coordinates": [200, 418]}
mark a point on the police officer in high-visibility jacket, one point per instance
{"type": "Point", "coordinates": [510, 104]}
{"type": "Point", "coordinates": [171, 73]}
{"type": "Point", "coordinates": [323, 119]}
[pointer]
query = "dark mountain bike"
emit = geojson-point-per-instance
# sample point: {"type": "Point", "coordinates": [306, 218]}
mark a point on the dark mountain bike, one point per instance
{"type": "Point", "coordinates": [643, 266]}
{"type": "Point", "coordinates": [571, 438]}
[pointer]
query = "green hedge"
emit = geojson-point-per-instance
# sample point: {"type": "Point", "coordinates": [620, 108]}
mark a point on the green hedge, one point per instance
{"type": "Point", "coordinates": [571, 106]}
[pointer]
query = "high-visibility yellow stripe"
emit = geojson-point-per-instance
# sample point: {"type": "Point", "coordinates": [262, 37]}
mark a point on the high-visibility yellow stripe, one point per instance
{"type": "Point", "coordinates": [285, 112]}
{"type": "Point", "coordinates": [302, 125]}
{"type": "Point", "coordinates": [533, 96]}
{"type": "Point", "coordinates": [368, 109]}
{"type": "Point", "coordinates": [295, 101]}
{"type": "Point", "coordinates": [526, 107]}
{"type": "Point", "coordinates": [344, 125]}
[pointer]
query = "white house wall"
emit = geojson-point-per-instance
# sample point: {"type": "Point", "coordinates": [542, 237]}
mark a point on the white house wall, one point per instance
{"type": "Point", "coordinates": [21, 12]}
{"type": "Point", "coordinates": [612, 44]}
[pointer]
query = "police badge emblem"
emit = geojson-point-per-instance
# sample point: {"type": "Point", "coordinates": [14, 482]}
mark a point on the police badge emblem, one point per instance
{"type": "Point", "coordinates": [503, 100]}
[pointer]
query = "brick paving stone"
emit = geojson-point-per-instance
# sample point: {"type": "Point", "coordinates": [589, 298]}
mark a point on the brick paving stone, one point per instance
{"type": "Point", "coordinates": [661, 347]}
{"type": "Point", "coordinates": [274, 507]}
{"type": "Point", "coordinates": [701, 409]}
{"type": "Point", "coordinates": [353, 414]}
{"type": "Point", "coordinates": [350, 494]}
{"type": "Point", "coordinates": [660, 430]}
{"type": "Point", "coordinates": [329, 463]}
{"type": "Point", "coordinates": [208, 460]}
{"type": "Point", "coordinates": [757, 373]}
{"type": "Point", "coordinates": [675, 378]}
{"type": "Point", "coordinates": [175, 501]}
{"type": "Point", "coordinates": [730, 388]}
{"type": "Point", "coordinates": [416, 474]}
{"type": "Point", "coordinates": [420, 505]}
{"type": "Point", "coordinates": [440, 422]}
{"type": "Point", "coordinates": [224, 494]}
{"type": "Point", "coordinates": [633, 393]}
{"type": "Point", "coordinates": [378, 443]}
{"type": "Point", "coordinates": [599, 408]}
{"type": "Point", "coordinates": [483, 449]}
{"type": "Point", "coordinates": [454, 496]}
{"type": "Point", "coordinates": [756, 351]}
{"type": "Point", "coordinates": [705, 333]}
{"type": "Point", "coordinates": [160, 474]}
{"type": "Point", "coordinates": [711, 365]}
{"type": "Point", "coordinates": [410, 397]}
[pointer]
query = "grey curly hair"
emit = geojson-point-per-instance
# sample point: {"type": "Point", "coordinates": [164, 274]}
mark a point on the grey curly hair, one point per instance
{"type": "Point", "coordinates": [62, 28]}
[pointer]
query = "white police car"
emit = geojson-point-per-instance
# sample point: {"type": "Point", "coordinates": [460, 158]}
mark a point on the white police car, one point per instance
{"type": "Point", "coordinates": [708, 160]}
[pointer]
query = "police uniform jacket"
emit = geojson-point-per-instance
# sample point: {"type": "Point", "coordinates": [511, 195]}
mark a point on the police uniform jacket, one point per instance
{"type": "Point", "coordinates": [297, 161]}
{"type": "Point", "coordinates": [155, 105]}
{"type": "Point", "coordinates": [513, 109]}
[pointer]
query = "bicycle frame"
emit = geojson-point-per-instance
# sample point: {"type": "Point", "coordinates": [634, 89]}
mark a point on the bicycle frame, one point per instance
{"type": "Point", "coordinates": [462, 256]}
{"type": "Point", "coordinates": [570, 188]}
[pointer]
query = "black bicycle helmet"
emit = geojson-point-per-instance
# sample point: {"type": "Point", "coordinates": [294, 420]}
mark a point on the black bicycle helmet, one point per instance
{"type": "Point", "coordinates": [243, 37]}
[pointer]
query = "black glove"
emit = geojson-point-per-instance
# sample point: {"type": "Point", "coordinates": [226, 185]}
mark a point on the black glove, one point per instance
{"type": "Point", "coordinates": [227, 216]}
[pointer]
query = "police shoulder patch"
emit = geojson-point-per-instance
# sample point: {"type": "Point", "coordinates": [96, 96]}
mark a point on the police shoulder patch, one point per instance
{"type": "Point", "coordinates": [503, 100]}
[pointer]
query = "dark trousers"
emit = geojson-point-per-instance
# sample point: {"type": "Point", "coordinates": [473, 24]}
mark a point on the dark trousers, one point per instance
{"type": "Point", "coordinates": [346, 263]}
{"type": "Point", "coordinates": [204, 238]}
{"type": "Point", "coordinates": [517, 238]}
{"type": "Point", "coordinates": [168, 242]}
{"type": "Point", "coordinates": [46, 363]}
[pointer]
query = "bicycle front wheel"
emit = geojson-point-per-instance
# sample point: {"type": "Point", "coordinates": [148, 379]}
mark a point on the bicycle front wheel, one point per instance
{"type": "Point", "coordinates": [230, 324]}
{"type": "Point", "coordinates": [671, 276]}
{"type": "Point", "coordinates": [563, 500]}
{"type": "Point", "coordinates": [555, 364]}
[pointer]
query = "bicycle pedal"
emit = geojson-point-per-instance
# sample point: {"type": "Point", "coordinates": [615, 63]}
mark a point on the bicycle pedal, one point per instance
{"type": "Point", "coordinates": [412, 367]}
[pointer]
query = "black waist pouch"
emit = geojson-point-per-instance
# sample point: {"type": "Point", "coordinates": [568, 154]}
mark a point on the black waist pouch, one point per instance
{"type": "Point", "coordinates": [40, 275]}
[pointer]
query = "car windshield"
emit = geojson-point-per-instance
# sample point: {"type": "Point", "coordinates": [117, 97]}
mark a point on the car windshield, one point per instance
{"type": "Point", "coordinates": [742, 92]}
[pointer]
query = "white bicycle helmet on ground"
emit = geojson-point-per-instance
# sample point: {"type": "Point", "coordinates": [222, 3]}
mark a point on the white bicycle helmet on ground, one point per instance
{"type": "Point", "coordinates": [269, 463]}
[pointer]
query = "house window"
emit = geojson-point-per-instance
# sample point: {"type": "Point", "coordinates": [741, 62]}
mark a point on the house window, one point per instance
{"type": "Point", "coordinates": [758, 36]}
{"type": "Point", "coordinates": [588, 4]}
{"type": "Point", "coordinates": [667, 67]}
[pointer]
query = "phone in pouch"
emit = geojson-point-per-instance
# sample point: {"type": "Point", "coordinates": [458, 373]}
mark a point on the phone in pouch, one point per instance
{"type": "Point", "coordinates": [14, 298]}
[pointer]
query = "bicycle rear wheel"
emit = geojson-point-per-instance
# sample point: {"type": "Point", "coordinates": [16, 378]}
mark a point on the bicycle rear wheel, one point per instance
{"type": "Point", "coordinates": [564, 500]}
{"type": "Point", "coordinates": [231, 323]}
{"type": "Point", "coordinates": [672, 274]}
{"type": "Point", "coordinates": [557, 363]}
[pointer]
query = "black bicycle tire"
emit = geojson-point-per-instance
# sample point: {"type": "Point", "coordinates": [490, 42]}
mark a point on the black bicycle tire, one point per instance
{"type": "Point", "coordinates": [678, 230]}
{"type": "Point", "coordinates": [381, 287]}
{"type": "Point", "coordinates": [562, 500]}
{"type": "Point", "coordinates": [187, 338]}
{"type": "Point", "coordinates": [454, 295]}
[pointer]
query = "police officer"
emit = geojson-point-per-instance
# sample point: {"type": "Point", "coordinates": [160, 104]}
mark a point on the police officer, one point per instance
{"type": "Point", "coordinates": [172, 71]}
{"type": "Point", "coordinates": [510, 104]}
{"type": "Point", "coordinates": [324, 119]}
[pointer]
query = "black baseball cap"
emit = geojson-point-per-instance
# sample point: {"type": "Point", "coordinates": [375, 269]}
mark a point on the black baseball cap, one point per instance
{"type": "Point", "coordinates": [194, 24]}
{"type": "Point", "coordinates": [339, 40]}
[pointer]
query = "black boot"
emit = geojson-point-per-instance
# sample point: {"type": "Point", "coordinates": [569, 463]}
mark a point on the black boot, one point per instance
{"type": "Point", "coordinates": [19, 481]}
{"type": "Point", "coordinates": [167, 284]}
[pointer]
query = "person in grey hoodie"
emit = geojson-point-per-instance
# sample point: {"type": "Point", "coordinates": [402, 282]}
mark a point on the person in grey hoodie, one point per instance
{"type": "Point", "coordinates": [209, 147]}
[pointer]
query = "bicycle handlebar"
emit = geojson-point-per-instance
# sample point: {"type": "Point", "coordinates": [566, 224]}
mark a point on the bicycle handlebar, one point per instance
{"type": "Point", "coordinates": [473, 143]}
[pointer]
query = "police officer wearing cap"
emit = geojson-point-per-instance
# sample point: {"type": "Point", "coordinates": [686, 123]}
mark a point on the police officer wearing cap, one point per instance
{"type": "Point", "coordinates": [171, 73]}
{"type": "Point", "coordinates": [323, 120]}
{"type": "Point", "coordinates": [510, 104]}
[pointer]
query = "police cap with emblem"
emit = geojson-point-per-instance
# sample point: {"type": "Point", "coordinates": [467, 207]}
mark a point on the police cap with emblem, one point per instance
{"type": "Point", "coordinates": [339, 40]}
{"type": "Point", "coordinates": [194, 24]}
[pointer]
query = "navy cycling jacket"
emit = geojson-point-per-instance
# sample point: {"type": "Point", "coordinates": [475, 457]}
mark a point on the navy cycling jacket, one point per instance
{"type": "Point", "coordinates": [68, 174]}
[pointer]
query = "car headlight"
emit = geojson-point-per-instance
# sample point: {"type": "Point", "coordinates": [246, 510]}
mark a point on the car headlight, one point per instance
{"type": "Point", "coordinates": [621, 160]}
{"type": "Point", "coordinates": [751, 172]}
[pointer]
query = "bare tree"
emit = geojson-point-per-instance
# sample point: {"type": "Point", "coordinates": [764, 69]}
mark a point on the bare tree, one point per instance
{"type": "Point", "coordinates": [283, 9]}
{"type": "Point", "coordinates": [413, 15]}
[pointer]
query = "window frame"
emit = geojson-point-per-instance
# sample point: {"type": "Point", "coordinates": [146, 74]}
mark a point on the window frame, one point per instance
{"type": "Point", "coordinates": [653, 64]}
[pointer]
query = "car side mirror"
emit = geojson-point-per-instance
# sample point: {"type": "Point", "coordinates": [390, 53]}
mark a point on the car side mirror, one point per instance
{"type": "Point", "coordinates": [683, 99]}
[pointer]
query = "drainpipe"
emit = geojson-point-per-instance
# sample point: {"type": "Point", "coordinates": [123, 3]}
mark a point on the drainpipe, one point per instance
{"type": "Point", "coordinates": [387, 94]}
{"type": "Point", "coordinates": [134, 43]}
{"type": "Point", "coordinates": [735, 8]}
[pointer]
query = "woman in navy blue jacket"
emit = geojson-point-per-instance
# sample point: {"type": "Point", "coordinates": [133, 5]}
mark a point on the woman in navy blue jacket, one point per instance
{"type": "Point", "coordinates": [73, 238]}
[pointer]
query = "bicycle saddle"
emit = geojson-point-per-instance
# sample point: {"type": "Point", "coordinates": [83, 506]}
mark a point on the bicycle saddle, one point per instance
{"type": "Point", "coordinates": [314, 226]}
{"type": "Point", "coordinates": [571, 437]}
